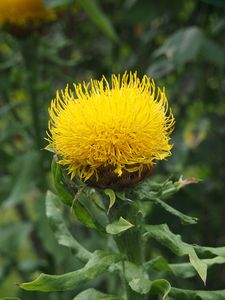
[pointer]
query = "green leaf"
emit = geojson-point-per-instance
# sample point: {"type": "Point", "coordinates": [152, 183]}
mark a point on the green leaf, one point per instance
{"type": "Point", "coordinates": [196, 295]}
{"type": "Point", "coordinates": [59, 184]}
{"type": "Point", "coordinates": [181, 270]}
{"type": "Point", "coordinates": [155, 192]}
{"type": "Point", "coordinates": [112, 198]}
{"type": "Point", "coordinates": [62, 234]}
{"type": "Point", "coordinates": [93, 294]}
{"type": "Point", "coordinates": [161, 286]}
{"type": "Point", "coordinates": [83, 215]}
{"type": "Point", "coordinates": [137, 278]}
{"type": "Point", "coordinates": [160, 68]}
{"type": "Point", "coordinates": [87, 212]}
{"type": "Point", "coordinates": [183, 46]}
{"type": "Point", "coordinates": [98, 264]}
{"type": "Point", "coordinates": [184, 218]}
{"type": "Point", "coordinates": [95, 13]}
{"type": "Point", "coordinates": [162, 190]}
{"type": "Point", "coordinates": [22, 179]}
{"type": "Point", "coordinates": [119, 226]}
{"type": "Point", "coordinates": [186, 270]}
{"type": "Point", "coordinates": [172, 241]}
{"type": "Point", "coordinates": [213, 52]}
{"type": "Point", "coordinates": [158, 263]}
{"type": "Point", "coordinates": [209, 251]}
{"type": "Point", "coordinates": [97, 198]}
{"type": "Point", "coordinates": [139, 282]}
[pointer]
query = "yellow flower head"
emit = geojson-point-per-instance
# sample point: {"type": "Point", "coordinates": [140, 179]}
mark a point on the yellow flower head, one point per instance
{"type": "Point", "coordinates": [122, 127]}
{"type": "Point", "coordinates": [22, 13]}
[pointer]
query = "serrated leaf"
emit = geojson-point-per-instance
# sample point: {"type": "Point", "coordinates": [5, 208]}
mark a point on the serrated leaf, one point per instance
{"type": "Point", "coordinates": [62, 234]}
{"type": "Point", "coordinates": [174, 242]}
{"type": "Point", "coordinates": [95, 13]}
{"type": "Point", "coordinates": [118, 226]}
{"type": "Point", "coordinates": [112, 198]}
{"type": "Point", "coordinates": [93, 294]}
{"type": "Point", "coordinates": [98, 264]}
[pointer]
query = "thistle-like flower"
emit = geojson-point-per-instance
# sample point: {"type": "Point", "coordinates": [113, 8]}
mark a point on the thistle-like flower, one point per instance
{"type": "Point", "coordinates": [23, 14]}
{"type": "Point", "coordinates": [111, 134]}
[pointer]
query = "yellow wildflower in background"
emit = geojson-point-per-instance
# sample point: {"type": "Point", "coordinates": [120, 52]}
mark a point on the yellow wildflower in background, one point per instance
{"type": "Point", "coordinates": [23, 13]}
{"type": "Point", "coordinates": [123, 127]}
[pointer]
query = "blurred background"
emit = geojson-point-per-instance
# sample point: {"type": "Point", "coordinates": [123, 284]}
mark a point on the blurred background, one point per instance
{"type": "Point", "coordinates": [180, 44]}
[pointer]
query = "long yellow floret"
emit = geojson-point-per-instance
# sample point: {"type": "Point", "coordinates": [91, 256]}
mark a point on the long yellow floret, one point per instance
{"type": "Point", "coordinates": [24, 12]}
{"type": "Point", "coordinates": [125, 125]}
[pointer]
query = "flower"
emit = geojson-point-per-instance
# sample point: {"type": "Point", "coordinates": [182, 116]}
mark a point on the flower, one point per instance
{"type": "Point", "coordinates": [115, 131]}
{"type": "Point", "coordinates": [24, 13]}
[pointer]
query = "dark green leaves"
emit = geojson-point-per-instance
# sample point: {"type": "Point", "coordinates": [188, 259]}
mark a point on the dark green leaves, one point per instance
{"type": "Point", "coordinates": [174, 242]}
{"type": "Point", "coordinates": [98, 264]}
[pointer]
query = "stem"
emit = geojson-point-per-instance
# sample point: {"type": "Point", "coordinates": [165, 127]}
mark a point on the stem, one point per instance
{"type": "Point", "coordinates": [130, 243]}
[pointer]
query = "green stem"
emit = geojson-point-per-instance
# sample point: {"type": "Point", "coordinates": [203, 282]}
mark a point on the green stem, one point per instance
{"type": "Point", "coordinates": [130, 243]}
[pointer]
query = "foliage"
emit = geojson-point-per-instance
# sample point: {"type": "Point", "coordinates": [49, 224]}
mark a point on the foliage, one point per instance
{"type": "Point", "coordinates": [181, 45]}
